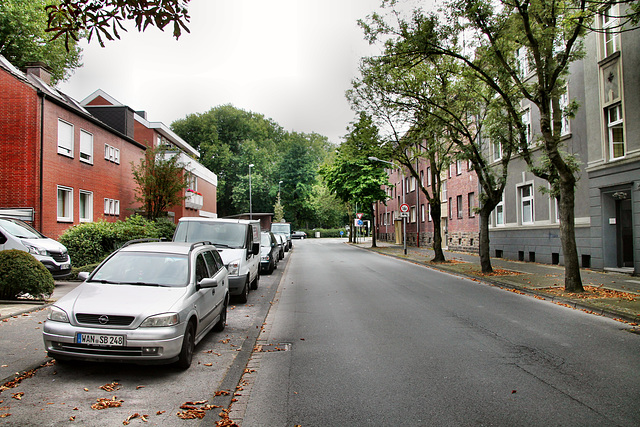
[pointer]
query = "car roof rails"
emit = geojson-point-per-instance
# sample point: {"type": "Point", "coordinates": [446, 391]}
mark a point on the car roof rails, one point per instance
{"type": "Point", "coordinates": [195, 244]}
{"type": "Point", "coordinates": [149, 239]}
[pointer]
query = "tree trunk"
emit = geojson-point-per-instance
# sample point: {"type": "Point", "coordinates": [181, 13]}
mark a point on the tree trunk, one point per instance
{"type": "Point", "coordinates": [437, 235]}
{"type": "Point", "coordinates": [373, 227]}
{"type": "Point", "coordinates": [485, 256]}
{"type": "Point", "coordinates": [572, 279]}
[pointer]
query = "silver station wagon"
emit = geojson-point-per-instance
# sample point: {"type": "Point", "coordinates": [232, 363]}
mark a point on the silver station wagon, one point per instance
{"type": "Point", "coordinates": [146, 303]}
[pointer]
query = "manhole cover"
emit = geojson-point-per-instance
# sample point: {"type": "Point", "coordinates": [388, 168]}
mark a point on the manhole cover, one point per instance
{"type": "Point", "coordinates": [269, 348]}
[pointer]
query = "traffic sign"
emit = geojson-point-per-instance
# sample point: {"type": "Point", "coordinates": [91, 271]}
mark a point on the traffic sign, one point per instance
{"type": "Point", "coordinates": [404, 214]}
{"type": "Point", "coordinates": [404, 207]}
{"type": "Point", "coordinates": [359, 215]}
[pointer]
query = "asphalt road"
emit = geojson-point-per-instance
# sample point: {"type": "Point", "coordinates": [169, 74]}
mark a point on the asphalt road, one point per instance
{"type": "Point", "coordinates": [63, 394]}
{"type": "Point", "coordinates": [361, 339]}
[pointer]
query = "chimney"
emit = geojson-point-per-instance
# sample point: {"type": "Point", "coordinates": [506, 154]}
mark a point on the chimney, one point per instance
{"type": "Point", "coordinates": [39, 69]}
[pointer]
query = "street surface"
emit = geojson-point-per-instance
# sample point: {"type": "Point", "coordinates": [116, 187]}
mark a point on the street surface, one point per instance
{"type": "Point", "coordinates": [359, 339]}
{"type": "Point", "coordinates": [62, 394]}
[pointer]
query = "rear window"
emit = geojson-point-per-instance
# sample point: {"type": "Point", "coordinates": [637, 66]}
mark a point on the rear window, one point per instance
{"type": "Point", "coordinates": [281, 228]}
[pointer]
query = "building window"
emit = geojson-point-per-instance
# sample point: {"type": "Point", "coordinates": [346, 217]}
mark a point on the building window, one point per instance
{"type": "Point", "coordinates": [86, 147]}
{"type": "Point", "coordinates": [111, 207]}
{"type": "Point", "coordinates": [499, 212]}
{"type": "Point", "coordinates": [526, 204]}
{"type": "Point", "coordinates": [472, 204]}
{"type": "Point", "coordinates": [65, 204]}
{"type": "Point", "coordinates": [459, 205]}
{"type": "Point", "coordinates": [65, 138]}
{"type": "Point", "coordinates": [497, 150]}
{"type": "Point", "coordinates": [423, 213]}
{"type": "Point", "coordinates": [615, 131]}
{"type": "Point", "coordinates": [450, 208]}
{"type": "Point", "coordinates": [523, 62]}
{"type": "Point", "coordinates": [610, 34]}
{"type": "Point", "coordinates": [111, 153]}
{"type": "Point", "coordinates": [564, 103]}
{"type": "Point", "coordinates": [413, 214]}
{"type": "Point", "coordinates": [422, 178]}
{"type": "Point", "coordinates": [428, 176]}
{"type": "Point", "coordinates": [429, 213]}
{"type": "Point", "coordinates": [526, 122]}
{"type": "Point", "coordinates": [86, 206]}
{"type": "Point", "coordinates": [458, 167]}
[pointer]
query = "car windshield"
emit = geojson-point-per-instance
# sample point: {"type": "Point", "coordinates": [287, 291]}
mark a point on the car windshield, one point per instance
{"type": "Point", "coordinates": [144, 269]}
{"type": "Point", "coordinates": [20, 229]}
{"type": "Point", "coordinates": [222, 234]}
{"type": "Point", "coordinates": [280, 228]}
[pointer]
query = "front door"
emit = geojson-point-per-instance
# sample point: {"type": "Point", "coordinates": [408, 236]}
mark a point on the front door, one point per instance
{"type": "Point", "coordinates": [624, 233]}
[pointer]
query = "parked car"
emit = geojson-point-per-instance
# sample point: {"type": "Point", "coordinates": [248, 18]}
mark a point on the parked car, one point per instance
{"type": "Point", "coordinates": [285, 244]}
{"type": "Point", "coordinates": [269, 252]}
{"type": "Point", "coordinates": [298, 235]}
{"type": "Point", "coordinates": [237, 240]}
{"type": "Point", "coordinates": [146, 303]}
{"type": "Point", "coordinates": [282, 243]}
{"type": "Point", "coordinates": [16, 234]}
{"type": "Point", "coordinates": [284, 228]}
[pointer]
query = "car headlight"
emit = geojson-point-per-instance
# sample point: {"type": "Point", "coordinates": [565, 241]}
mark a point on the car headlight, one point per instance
{"type": "Point", "coordinates": [234, 267]}
{"type": "Point", "coordinates": [159, 320]}
{"type": "Point", "coordinates": [57, 315]}
{"type": "Point", "coordinates": [265, 258]}
{"type": "Point", "coordinates": [36, 250]}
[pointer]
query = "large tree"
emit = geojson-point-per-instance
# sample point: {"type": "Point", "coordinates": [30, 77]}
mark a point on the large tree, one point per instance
{"type": "Point", "coordinates": [23, 39]}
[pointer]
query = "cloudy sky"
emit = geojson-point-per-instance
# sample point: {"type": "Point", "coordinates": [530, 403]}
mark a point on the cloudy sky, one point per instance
{"type": "Point", "coordinates": [290, 60]}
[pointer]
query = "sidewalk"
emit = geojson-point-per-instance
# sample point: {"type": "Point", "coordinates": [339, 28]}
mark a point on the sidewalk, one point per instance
{"type": "Point", "coordinates": [608, 294]}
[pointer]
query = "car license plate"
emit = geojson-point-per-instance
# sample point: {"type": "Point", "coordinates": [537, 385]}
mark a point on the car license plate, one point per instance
{"type": "Point", "coordinates": [65, 266]}
{"type": "Point", "coordinates": [99, 339]}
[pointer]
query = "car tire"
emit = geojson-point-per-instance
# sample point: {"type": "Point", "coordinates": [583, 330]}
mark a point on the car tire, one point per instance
{"type": "Point", "coordinates": [188, 347]}
{"type": "Point", "coordinates": [222, 322]}
{"type": "Point", "coordinates": [244, 296]}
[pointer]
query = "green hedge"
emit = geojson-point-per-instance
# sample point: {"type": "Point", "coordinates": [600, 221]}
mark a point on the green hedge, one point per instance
{"type": "Point", "coordinates": [325, 232]}
{"type": "Point", "coordinates": [21, 273]}
{"type": "Point", "coordinates": [90, 243]}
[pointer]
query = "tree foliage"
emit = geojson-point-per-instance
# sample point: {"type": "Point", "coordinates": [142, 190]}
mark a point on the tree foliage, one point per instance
{"type": "Point", "coordinates": [230, 139]}
{"type": "Point", "coordinates": [161, 179]}
{"type": "Point", "coordinates": [23, 39]}
{"type": "Point", "coordinates": [70, 20]}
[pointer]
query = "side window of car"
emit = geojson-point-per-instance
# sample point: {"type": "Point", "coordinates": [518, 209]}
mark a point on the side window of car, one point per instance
{"type": "Point", "coordinates": [218, 258]}
{"type": "Point", "coordinates": [3, 239]}
{"type": "Point", "coordinates": [211, 262]}
{"type": "Point", "coordinates": [201, 268]}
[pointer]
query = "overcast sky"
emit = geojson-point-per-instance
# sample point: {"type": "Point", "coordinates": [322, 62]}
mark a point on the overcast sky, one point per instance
{"type": "Point", "coordinates": [290, 60]}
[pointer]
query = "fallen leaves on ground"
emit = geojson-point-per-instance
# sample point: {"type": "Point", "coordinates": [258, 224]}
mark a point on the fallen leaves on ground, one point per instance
{"type": "Point", "coordinates": [592, 292]}
{"type": "Point", "coordinates": [104, 403]}
{"type": "Point", "coordinates": [500, 272]}
{"type": "Point", "coordinates": [27, 374]}
{"type": "Point", "coordinates": [18, 396]}
{"type": "Point", "coordinates": [111, 386]}
{"type": "Point", "coordinates": [127, 421]}
{"type": "Point", "coordinates": [191, 411]}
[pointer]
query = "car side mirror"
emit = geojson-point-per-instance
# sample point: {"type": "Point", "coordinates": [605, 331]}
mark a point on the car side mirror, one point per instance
{"type": "Point", "coordinates": [207, 282]}
{"type": "Point", "coordinates": [83, 275]}
{"type": "Point", "coordinates": [256, 248]}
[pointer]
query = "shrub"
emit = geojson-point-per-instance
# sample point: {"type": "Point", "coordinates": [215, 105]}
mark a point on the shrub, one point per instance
{"type": "Point", "coordinates": [21, 273]}
{"type": "Point", "coordinates": [90, 243]}
{"type": "Point", "coordinates": [325, 232]}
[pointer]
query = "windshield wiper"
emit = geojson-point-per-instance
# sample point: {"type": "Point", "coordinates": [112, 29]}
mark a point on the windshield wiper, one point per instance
{"type": "Point", "coordinates": [110, 282]}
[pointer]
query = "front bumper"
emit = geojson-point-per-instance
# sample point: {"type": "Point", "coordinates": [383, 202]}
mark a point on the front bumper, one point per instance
{"type": "Point", "coordinates": [144, 345]}
{"type": "Point", "coordinates": [236, 284]}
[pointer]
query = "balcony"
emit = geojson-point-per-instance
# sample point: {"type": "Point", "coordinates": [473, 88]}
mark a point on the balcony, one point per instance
{"type": "Point", "coordinates": [193, 200]}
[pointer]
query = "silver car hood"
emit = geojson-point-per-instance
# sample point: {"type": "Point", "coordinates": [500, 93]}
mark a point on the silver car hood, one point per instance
{"type": "Point", "coordinates": [48, 244]}
{"type": "Point", "coordinates": [126, 300]}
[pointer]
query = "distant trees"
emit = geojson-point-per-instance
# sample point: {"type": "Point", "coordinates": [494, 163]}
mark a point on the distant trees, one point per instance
{"type": "Point", "coordinates": [230, 139]}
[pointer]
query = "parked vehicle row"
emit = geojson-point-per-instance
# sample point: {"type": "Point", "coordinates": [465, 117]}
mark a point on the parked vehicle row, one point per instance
{"type": "Point", "coordinates": [152, 302]}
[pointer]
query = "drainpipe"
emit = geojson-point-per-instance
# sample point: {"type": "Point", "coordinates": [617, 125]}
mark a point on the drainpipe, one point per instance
{"type": "Point", "coordinates": [41, 195]}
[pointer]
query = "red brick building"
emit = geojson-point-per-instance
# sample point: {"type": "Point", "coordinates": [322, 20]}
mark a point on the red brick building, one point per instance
{"type": "Point", "coordinates": [201, 195]}
{"type": "Point", "coordinates": [459, 222]}
{"type": "Point", "coordinates": [63, 163]}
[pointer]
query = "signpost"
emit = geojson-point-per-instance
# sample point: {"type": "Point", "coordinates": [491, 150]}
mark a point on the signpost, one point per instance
{"type": "Point", "coordinates": [404, 214]}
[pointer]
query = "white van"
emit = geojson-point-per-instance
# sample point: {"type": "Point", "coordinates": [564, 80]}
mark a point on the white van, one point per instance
{"type": "Point", "coordinates": [15, 234]}
{"type": "Point", "coordinates": [237, 241]}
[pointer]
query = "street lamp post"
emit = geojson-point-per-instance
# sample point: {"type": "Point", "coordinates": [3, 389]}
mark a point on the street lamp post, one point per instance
{"type": "Point", "coordinates": [250, 207]}
{"type": "Point", "coordinates": [404, 219]}
{"type": "Point", "coordinates": [279, 189]}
